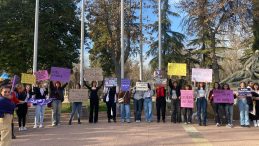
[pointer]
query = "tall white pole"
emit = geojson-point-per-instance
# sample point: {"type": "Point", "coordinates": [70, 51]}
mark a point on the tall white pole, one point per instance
{"type": "Point", "coordinates": [159, 35]}
{"type": "Point", "coordinates": [36, 29]}
{"type": "Point", "coordinates": [82, 44]}
{"type": "Point", "coordinates": [122, 39]}
{"type": "Point", "coordinates": [141, 42]}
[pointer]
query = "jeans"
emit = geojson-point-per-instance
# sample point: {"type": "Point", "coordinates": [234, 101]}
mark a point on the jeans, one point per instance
{"type": "Point", "coordinates": [148, 109]}
{"type": "Point", "coordinates": [244, 110]}
{"type": "Point", "coordinates": [229, 113]}
{"type": "Point", "coordinates": [202, 110]}
{"type": "Point", "coordinates": [39, 114]}
{"type": "Point", "coordinates": [138, 108]}
{"type": "Point", "coordinates": [217, 113]}
{"type": "Point", "coordinates": [176, 110]}
{"type": "Point", "coordinates": [56, 111]}
{"type": "Point", "coordinates": [94, 108]}
{"type": "Point", "coordinates": [160, 106]}
{"type": "Point", "coordinates": [125, 112]}
{"type": "Point", "coordinates": [76, 107]}
{"type": "Point", "coordinates": [187, 114]}
{"type": "Point", "coordinates": [111, 106]}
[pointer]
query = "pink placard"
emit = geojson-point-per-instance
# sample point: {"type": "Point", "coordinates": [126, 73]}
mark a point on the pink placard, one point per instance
{"type": "Point", "coordinates": [223, 96]}
{"type": "Point", "coordinates": [42, 75]}
{"type": "Point", "coordinates": [187, 98]}
{"type": "Point", "coordinates": [201, 75]}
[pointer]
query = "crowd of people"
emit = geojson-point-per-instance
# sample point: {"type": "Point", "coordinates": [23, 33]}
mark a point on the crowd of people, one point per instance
{"type": "Point", "coordinates": [18, 98]}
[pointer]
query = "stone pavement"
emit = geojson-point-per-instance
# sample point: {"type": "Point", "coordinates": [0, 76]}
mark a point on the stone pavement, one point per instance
{"type": "Point", "coordinates": [138, 134]}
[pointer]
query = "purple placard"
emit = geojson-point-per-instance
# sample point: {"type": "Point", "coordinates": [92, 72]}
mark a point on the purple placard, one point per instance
{"type": "Point", "coordinates": [125, 85]}
{"type": "Point", "coordinates": [223, 96]}
{"type": "Point", "coordinates": [15, 81]}
{"type": "Point", "coordinates": [60, 74]}
{"type": "Point", "coordinates": [42, 75]}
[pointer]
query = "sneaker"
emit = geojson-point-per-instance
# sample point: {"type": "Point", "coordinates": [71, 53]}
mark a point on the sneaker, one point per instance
{"type": "Point", "coordinates": [41, 126]}
{"type": "Point", "coordinates": [218, 125]}
{"type": "Point", "coordinates": [258, 124]}
{"type": "Point", "coordinates": [229, 126]}
{"type": "Point", "coordinates": [20, 129]}
{"type": "Point", "coordinates": [35, 126]}
{"type": "Point", "coordinates": [189, 123]}
{"type": "Point", "coordinates": [122, 121]}
{"type": "Point", "coordinates": [137, 121]}
{"type": "Point", "coordinates": [24, 129]}
{"type": "Point", "coordinates": [185, 123]}
{"type": "Point", "coordinates": [53, 125]}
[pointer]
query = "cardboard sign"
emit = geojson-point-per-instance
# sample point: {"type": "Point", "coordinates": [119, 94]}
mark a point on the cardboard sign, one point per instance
{"type": "Point", "coordinates": [94, 74]}
{"type": "Point", "coordinates": [125, 85]}
{"type": "Point", "coordinates": [77, 95]}
{"type": "Point", "coordinates": [42, 75]}
{"type": "Point", "coordinates": [187, 98]}
{"type": "Point", "coordinates": [201, 75]}
{"type": "Point", "coordinates": [60, 74]}
{"type": "Point", "coordinates": [244, 92]}
{"type": "Point", "coordinates": [160, 82]}
{"type": "Point", "coordinates": [110, 82]}
{"type": "Point", "coordinates": [177, 69]}
{"type": "Point", "coordinates": [223, 96]}
{"type": "Point", "coordinates": [141, 86]}
{"type": "Point", "coordinates": [28, 78]}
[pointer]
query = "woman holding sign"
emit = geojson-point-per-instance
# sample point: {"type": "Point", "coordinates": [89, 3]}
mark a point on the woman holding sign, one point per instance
{"type": "Point", "coordinates": [228, 109]}
{"type": "Point", "coordinates": [215, 106]}
{"type": "Point", "coordinates": [94, 101]}
{"type": "Point", "coordinates": [57, 94]}
{"type": "Point", "coordinates": [148, 103]}
{"type": "Point", "coordinates": [201, 96]}
{"type": "Point", "coordinates": [76, 107]}
{"type": "Point", "coordinates": [255, 116]}
{"type": "Point", "coordinates": [110, 99]}
{"type": "Point", "coordinates": [175, 101]}
{"type": "Point", "coordinates": [187, 112]}
{"type": "Point", "coordinates": [243, 93]}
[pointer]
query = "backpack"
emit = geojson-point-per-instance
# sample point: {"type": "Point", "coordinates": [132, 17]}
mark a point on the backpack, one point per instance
{"type": "Point", "coordinates": [160, 91]}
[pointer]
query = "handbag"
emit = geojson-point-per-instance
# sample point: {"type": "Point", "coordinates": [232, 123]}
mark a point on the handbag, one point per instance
{"type": "Point", "coordinates": [105, 95]}
{"type": "Point", "coordinates": [121, 100]}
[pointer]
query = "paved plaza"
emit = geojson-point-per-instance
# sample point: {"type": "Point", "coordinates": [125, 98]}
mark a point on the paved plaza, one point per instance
{"type": "Point", "coordinates": [137, 134]}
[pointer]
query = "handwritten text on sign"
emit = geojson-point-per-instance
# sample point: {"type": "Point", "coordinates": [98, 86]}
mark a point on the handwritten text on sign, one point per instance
{"type": "Point", "coordinates": [60, 74]}
{"type": "Point", "coordinates": [94, 74]}
{"type": "Point", "coordinates": [201, 75]}
{"type": "Point", "coordinates": [78, 95]}
{"type": "Point", "coordinates": [177, 69]}
{"type": "Point", "coordinates": [125, 85]}
{"type": "Point", "coordinates": [42, 75]}
{"type": "Point", "coordinates": [28, 78]}
{"type": "Point", "coordinates": [187, 98]}
{"type": "Point", "coordinates": [110, 82]}
{"type": "Point", "coordinates": [223, 96]}
{"type": "Point", "coordinates": [141, 86]}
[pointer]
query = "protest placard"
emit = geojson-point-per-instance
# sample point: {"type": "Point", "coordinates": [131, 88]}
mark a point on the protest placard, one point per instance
{"type": "Point", "coordinates": [160, 82]}
{"type": "Point", "coordinates": [28, 78]}
{"type": "Point", "coordinates": [94, 74]}
{"type": "Point", "coordinates": [223, 96]}
{"type": "Point", "coordinates": [176, 69]}
{"type": "Point", "coordinates": [60, 74]}
{"type": "Point", "coordinates": [244, 92]}
{"type": "Point", "coordinates": [187, 98]}
{"type": "Point", "coordinates": [125, 85]}
{"type": "Point", "coordinates": [141, 86]}
{"type": "Point", "coordinates": [77, 95]}
{"type": "Point", "coordinates": [110, 82]}
{"type": "Point", "coordinates": [201, 75]}
{"type": "Point", "coordinates": [42, 75]}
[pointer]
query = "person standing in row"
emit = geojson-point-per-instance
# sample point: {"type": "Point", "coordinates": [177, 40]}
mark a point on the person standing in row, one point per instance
{"type": "Point", "coordinates": [124, 100]}
{"type": "Point", "coordinates": [201, 96]}
{"type": "Point", "coordinates": [94, 101]}
{"type": "Point", "coordinates": [243, 106]}
{"type": "Point", "coordinates": [6, 115]}
{"type": "Point", "coordinates": [175, 101]}
{"type": "Point", "coordinates": [22, 108]}
{"type": "Point", "coordinates": [255, 116]}
{"type": "Point", "coordinates": [229, 109]}
{"type": "Point", "coordinates": [138, 104]}
{"type": "Point", "coordinates": [110, 99]}
{"type": "Point", "coordinates": [57, 94]}
{"type": "Point", "coordinates": [160, 102]}
{"type": "Point", "coordinates": [187, 112]}
{"type": "Point", "coordinates": [215, 106]}
{"type": "Point", "coordinates": [76, 107]}
{"type": "Point", "coordinates": [148, 103]}
{"type": "Point", "coordinates": [40, 93]}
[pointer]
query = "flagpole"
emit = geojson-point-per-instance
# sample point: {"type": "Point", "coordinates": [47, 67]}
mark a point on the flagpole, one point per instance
{"type": "Point", "coordinates": [159, 35]}
{"type": "Point", "coordinates": [36, 29]}
{"type": "Point", "coordinates": [82, 44]}
{"type": "Point", "coordinates": [122, 39]}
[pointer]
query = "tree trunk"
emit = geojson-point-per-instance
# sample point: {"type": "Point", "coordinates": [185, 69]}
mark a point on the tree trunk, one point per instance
{"type": "Point", "coordinates": [215, 65]}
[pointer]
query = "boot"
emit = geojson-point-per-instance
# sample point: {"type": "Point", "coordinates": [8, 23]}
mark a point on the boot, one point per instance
{"type": "Point", "coordinates": [13, 136]}
{"type": "Point", "coordinates": [79, 121]}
